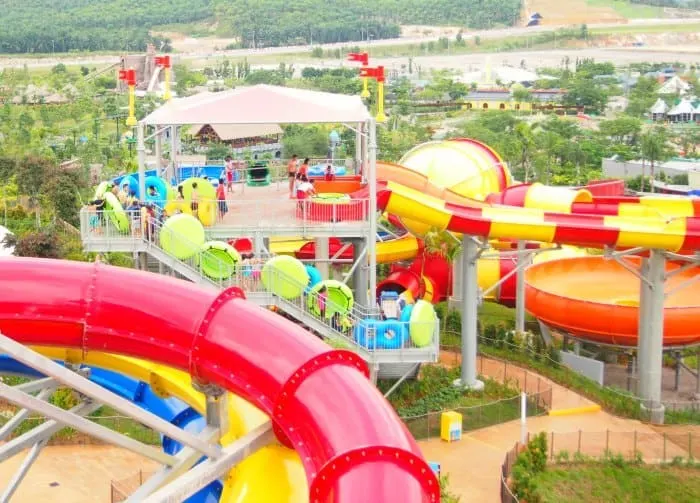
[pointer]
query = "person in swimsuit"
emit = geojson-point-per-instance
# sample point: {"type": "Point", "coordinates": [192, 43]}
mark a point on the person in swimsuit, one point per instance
{"type": "Point", "coordinates": [292, 173]}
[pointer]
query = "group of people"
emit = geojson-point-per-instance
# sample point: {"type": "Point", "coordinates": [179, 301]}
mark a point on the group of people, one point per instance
{"type": "Point", "coordinates": [299, 175]}
{"type": "Point", "coordinates": [140, 215]}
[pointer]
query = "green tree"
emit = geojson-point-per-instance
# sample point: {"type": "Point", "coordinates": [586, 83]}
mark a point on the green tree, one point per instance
{"type": "Point", "coordinates": [42, 244]}
{"type": "Point", "coordinates": [654, 149]}
{"type": "Point", "coordinates": [624, 129]}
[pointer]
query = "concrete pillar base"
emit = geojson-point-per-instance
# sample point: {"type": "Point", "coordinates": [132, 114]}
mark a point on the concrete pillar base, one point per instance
{"type": "Point", "coordinates": [654, 414]}
{"type": "Point", "coordinates": [477, 385]}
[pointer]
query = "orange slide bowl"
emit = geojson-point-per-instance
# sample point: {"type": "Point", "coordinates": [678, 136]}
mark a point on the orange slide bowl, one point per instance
{"type": "Point", "coordinates": [597, 299]}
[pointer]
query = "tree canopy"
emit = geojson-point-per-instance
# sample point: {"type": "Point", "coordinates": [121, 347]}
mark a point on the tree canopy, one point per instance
{"type": "Point", "coordinates": [45, 26]}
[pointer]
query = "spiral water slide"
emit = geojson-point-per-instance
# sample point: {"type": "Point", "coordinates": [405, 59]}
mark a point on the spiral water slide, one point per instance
{"type": "Point", "coordinates": [328, 419]}
{"type": "Point", "coordinates": [591, 297]}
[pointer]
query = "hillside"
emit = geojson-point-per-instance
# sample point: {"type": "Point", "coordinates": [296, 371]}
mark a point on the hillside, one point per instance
{"type": "Point", "coordinates": [46, 26]}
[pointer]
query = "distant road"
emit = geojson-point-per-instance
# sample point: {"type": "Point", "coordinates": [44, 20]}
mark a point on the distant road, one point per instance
{"type": "Point", "coordinates": [18, 61]}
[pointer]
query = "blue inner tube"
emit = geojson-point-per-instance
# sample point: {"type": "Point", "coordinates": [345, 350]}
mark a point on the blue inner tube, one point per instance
{"type": "Point", "coordinates": [406, 313]}
{"type": "Point", "coordinates": [391, 334]}
{"type": "Point", "coordinates": [161, 187]}
{"type": "Point", "coordinates": [133, 184]}
{"type": "Point", "coordinates": [314, 277]}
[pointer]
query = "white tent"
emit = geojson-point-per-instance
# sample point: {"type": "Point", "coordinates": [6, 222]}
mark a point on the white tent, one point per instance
{"type": "Point", "coordinates": [658, 110]}
{"type": "Point", "coordinates": [261, 104]}
{"type": "Point", "coordinates": [4, 250]}
{"type": "Point", "coordinates": [682, 112]}
{"type": "Point", "coordinates": [674, 85]}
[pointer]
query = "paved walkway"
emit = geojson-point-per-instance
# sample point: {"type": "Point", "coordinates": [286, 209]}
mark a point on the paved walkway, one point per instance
{"type": "Point", "coordinates": [474, 463]}
{"type": "Point", "coordinates": [76, 473]}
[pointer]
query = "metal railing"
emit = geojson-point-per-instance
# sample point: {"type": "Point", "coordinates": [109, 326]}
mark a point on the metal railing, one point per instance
{"type": "Point", "coordinates": [203, 267]}
{"type": "Point", "coordinates": [538, 390]}
{"type": "Point", "coordinates": [277, 169]}
{"type": "Point", "coordinates": [282, 213]}
{"type": "Point", "coordinates": [507, 495]}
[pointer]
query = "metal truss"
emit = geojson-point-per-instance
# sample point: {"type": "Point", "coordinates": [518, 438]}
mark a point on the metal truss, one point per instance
{"type": "Point", "coordinates": [175, 481]}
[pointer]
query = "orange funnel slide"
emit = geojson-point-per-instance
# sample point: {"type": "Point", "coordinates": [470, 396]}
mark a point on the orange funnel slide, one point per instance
{"type": "Point", "coordinates": [598, 299]}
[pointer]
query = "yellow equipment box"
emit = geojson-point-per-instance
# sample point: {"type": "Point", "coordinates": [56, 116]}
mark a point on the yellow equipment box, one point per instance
{"type": "Point", "coordinates": [451, 426]}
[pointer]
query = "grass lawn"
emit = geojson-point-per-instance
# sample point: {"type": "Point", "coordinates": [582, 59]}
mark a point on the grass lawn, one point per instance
{"type": "Point", "coordinates": [604, 482]}
{"type": "Point", "coordinates": [628, 9]}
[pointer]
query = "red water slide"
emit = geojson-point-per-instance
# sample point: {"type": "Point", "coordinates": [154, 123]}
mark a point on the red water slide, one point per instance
{"type": "Point", "coordinates": [353, 445]}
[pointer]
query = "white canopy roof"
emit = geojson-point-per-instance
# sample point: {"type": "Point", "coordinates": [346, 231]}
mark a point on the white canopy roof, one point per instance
{"type": "Point", "coordinates": [685, 107]}
{"type": "Point", "coordinates": [261, 104]}
{"type": "Point", "coordinates": [660, 107]}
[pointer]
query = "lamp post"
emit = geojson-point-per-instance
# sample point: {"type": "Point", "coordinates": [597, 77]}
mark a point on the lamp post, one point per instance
{"type": "Point", "coordinates": [164, 62]}
{"type": "Point", "coordinates": [334, 138]}
{"type": "Point", "coordinates": [129, 76]}
{"type": "Point", "coordinates": [378, 75]}
{"type": "Point", "coordinates": [361, 57]}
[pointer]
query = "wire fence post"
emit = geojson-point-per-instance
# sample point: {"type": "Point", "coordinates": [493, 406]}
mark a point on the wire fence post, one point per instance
{"type": "Point", "coordinates": [579, 442]}
{"type": "Point", "coordinates": [664, 447]}
{"type": "Point", "coordinates": [551, 447]}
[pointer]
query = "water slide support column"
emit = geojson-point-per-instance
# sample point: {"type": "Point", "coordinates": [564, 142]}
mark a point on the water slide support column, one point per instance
{"type": "Point", "coordinates": [173, 152]}
{"type": "Point", "coordinates": [159, 151]}
{"type": "Point", "coordinates": [322, 256]}
{"type": "Point", "coordinates": [141, 154]}
{"type": "Point", "coordinates": [455, 300]}
{"type": "Point", "coordinates": [372, 237]}
{"type": "Point", "coordinates": [523, 257]}
{"type": "Point", "coordinates": [651, 331]}
{"type": "Point", "coordinates": [470, 300]}
{"type": "Point", "coordinates": [360, 279]}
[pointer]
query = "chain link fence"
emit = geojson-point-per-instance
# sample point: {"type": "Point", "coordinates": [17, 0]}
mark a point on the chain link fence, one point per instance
{"type": "Point", "coordinates": [675, 446]}
{"type": "Point", "coordinates": [120, 490]}
{"type": "Point", "coordinates": [538, 390]}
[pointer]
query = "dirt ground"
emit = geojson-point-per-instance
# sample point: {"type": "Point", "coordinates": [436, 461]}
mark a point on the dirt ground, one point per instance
{"type": "Point", "coordinates": [75, 474]}
{"type": "Point", "coordinates": [557, 12]}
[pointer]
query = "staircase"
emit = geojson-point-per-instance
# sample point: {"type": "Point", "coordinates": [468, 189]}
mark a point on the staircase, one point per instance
{"type": "Point", "coordinates": [385, 361]}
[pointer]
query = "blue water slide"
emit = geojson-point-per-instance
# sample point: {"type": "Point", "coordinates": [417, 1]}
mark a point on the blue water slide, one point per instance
{"type": "Point", "coordinates": [172, 410]}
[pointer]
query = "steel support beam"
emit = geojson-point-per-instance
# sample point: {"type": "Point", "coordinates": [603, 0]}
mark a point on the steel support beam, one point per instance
{"type": "Point", "coordinates": [141, 154]}
{"type": "Point", "coordinates": [159, 153]}
{"type": "Point", "coordinates": [401, 379]}
{"type": "Point", "coordinates": [88, 388]}
{"type": "Point", "coordinates": [651, 332]}
{"type": "Point", "coordinates": [323, 254]}
{"type": "Point", "coordinates": [21, 414]}
{"type": "Point", "coordinates": [359, 271]}
{"type": "Point", "coordinates": [186, 459]}
{"type": "Point", "coordinates": [42, 432]}
{"type": "Point", "coordinates": [88, 427]}
{"type": "Point", "coordinates": [211, 470]}
{"type": "Point", "coordinates": [37, 385]}
{"type": "Point", "coordinates": [22, 471]}
{"type": "Point", "coordinates": [470, 301]}
{"type": "Point", "coordinates": [372, 237]}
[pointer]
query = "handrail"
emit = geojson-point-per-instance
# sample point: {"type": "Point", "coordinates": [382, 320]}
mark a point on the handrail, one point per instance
{"type": "Point", "coordinates": [248, 277]}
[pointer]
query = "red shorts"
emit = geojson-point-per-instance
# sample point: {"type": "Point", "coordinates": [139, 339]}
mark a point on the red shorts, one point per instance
{"type": "Point", "coordinates": [229, 176]}
{"type": "Point", "coordinates": [301, 194]}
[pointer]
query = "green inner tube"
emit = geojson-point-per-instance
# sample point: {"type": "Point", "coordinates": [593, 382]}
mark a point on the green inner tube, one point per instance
{"type": "Point", "coordinates": [102, 189]}
{"type": "Point", "coordinates": [116, 212]}
{"type": "Point", "coordinates": [422, 324]}
{"type": "Point", "coordinates": [340, 298]}
{"type": "Point", "coordinates": [330, 198]}
{"type": "Point", "coordinates": [182, 236]}
{"type": "Point", "coordinates": [285, 277]}
{"type": "Point", "coordinates": [218, 260]}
